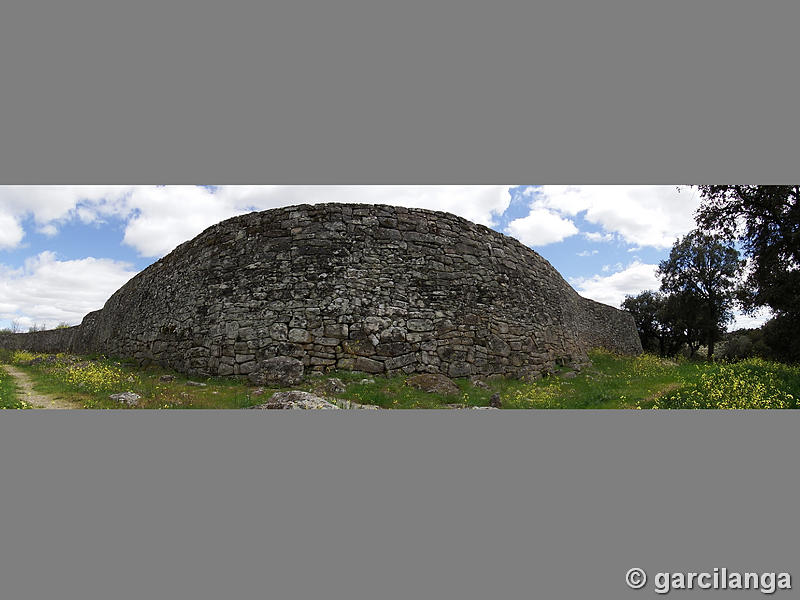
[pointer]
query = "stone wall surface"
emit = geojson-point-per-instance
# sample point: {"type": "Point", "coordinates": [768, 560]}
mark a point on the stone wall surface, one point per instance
{"type": "Point", "coordinates": [52, 341]}
{"type": "Point", "coordinates": [371, 288]}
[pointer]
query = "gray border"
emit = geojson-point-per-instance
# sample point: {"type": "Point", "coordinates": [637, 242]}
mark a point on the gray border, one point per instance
{"type": "Point", "coordinates": [411, 505]}
{"type": "Point", "coordinates": [436, 504]}
{"type": "Point", "coordinates": [344, 92]}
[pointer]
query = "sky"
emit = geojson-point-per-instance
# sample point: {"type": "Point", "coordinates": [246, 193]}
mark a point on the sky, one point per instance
{"type": "Point", "coordinates": [65, 249]}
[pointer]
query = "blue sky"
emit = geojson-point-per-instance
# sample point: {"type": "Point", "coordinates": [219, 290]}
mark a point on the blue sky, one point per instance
{"type": "Point", "coordinates": [65, 249]}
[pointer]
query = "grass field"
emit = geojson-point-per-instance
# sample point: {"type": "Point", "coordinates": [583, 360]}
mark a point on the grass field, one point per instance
{"type": "Point", "coordinates": [612, 381]}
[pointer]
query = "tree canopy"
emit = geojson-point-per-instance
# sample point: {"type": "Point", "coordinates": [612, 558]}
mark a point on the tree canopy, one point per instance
{"type": "Point", "coordinates": [700, 277]}
{"type": "Point", "coordinates": [645, 308]}
{"type": "Point", "coordinates": [665, 323]}
{"type": "Point", "coordinates": [765, 219]}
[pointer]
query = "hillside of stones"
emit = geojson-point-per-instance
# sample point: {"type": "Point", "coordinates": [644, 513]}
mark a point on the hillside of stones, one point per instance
{"type": "Point", "coordinates": [371, 288]}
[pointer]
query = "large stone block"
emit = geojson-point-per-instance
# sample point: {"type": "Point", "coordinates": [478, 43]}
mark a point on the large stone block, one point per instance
{"type": "Point", "coordinates": [368, 365]}
{"type": "Point", "coordinates": [281, 371]}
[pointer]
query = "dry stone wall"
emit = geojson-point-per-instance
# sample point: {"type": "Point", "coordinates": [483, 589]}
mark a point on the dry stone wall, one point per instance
{"type": "Point", "coordinates": [52, 341]}
{"type": "Point", "coordinates": [378, 289]}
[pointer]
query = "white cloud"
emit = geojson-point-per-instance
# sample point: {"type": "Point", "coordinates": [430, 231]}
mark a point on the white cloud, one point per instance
{"type": "Point", "coordinates": [641, 215]}
{"type": "Point", "coordinates": [50, 291]}
{"type": "Point", "coordinates": [164, 217]}
{"type": "Point", "coordinates": [541, 227]}
{"type": "Point", "coordinates": [11, 232]}
{"type": "Point", "coordinates": [48, 230]}
{"type": "Point", "coordinates": [612, 289]}
{"type": "Point", "coordinates": [51, 205]}
{"type": "Point", "coordinates": [159, 218]}
{"type": "Point", "coordinates": [596, 236]}
{"type": "Point", "coordinates": [585, 253]}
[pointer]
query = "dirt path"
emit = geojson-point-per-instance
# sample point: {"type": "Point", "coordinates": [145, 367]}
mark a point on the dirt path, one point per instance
{"type": "Point", "coordinates": [28, 395]}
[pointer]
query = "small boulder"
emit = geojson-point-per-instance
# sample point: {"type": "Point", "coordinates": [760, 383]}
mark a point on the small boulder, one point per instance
{"type": "Point", "coordinates": [196, 384]}
{"type": "Point", "coordinates": [167, 378]}
{"type": "Point", "coordinates": [283, 371]}
{"type": "Point", "coordinates": [350, 405]}
{"type": "Point", "coordinates": [495, 402]}
{"type": "Point", "coordinates": [479, 383]}
{"type": "Point", "coordinates": [530, 376]}
{"type": "Point", "coordinates": [129, 398]}
{"type": "Point", "coordinates": [334, 385]}
{"type": "Point", "coordinates": [296, 400]}
{"type": "Point", "coordinates": [569, 375]}
{"type": "Point", "coordinates": [433, 383]}
{"type": "Point", "coordinates": [366, 381]}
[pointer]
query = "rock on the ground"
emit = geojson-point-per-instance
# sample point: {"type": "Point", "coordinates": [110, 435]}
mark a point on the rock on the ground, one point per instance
{"type": "Point", "coordinates": [334, 385]}
{"type": "Point", "coordinates": [495, 402]}
{"type": "Point", "coordinates": [167, 378]}
{"type": "Point", "coordinates": [280, 370]}
{"type": "Point", "coordinates": [569, 375]}
{"type": "Point", "coordinates": [129, 398]}
{"type": "Point", "coordinates": [296, 399]}
{"type": "Point", "coordinates": [349, 405]}
{"type": "Point", "coordinates": [530, 376]}
{"type": "Point", "coordinates": [196, 384]}
{"type": "Point", "coordinates": [479, 383]}
{"type": "Point", "coordinates": [433, 383]}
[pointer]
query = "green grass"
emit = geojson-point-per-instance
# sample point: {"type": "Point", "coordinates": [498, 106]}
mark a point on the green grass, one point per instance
{"type": "Point", "coordinates": [89, 381]}
{"type": "Point", "coordinates": [611, 381]}
{"type": "Point", "coordinates": [751, 383]}
{"type": "Point", "coordinates": [648, 381]}
{"type": "Point", "coordinates": [8, 393]}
